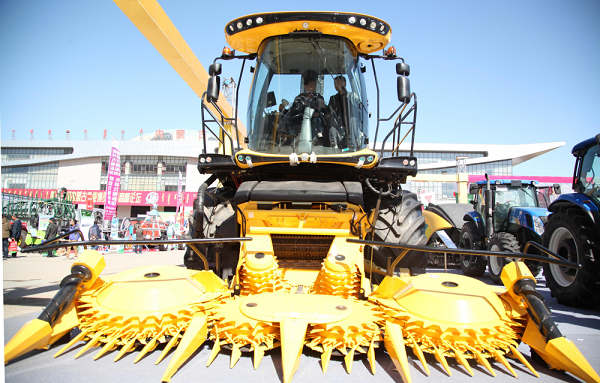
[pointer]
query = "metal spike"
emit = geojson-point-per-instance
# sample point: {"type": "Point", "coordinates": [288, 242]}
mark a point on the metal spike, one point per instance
{"type": "Point", "coordinates": [349, 358]}
{"type": "Point", "coordinates": [504, 362]}
{"type": "Point", "coordinates": [394, 344]}
{"type": "Point", "coordinates": [259, 352]}
{"type": "Point", "coordinates": [483, 361]}
{"type": "Point", "coordinates": [371, 355]}
{"type": "Point", "coordinates": [214, 352]}
{"type": "Point", "coordinates": [293, 332]}
{"type": "Point", "coordinates": [169, 345]}
{"type": "Point", "coordinates": [90, 344]}
{"type": "Point", "coordinates": [420, 355]}
{"type": "Point", "coordinates": [440, 358]}
{"type": "Point", "coordinates": [77, 338]}
{"type": "Point", "coordinates": [235, 355]}
{"type": "Point", "coordinates": [326, 356]}
{"type": "Point", "coordinates": [193, 338]}
{"type": "Point", "coordinates": [110, 345]}
{"type": "Point", "coordinates": [150, 346]}
{"type": "Point", "coordinates": [125, 349]}
{"type": "Point", "coordinates": [462, 361]}
{"type": "Point", "coordinates": [520, 356]}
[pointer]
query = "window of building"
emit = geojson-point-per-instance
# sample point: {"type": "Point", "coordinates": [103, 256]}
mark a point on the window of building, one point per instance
{"type": "Point", "coordinates": [19, 154]}
{"type": "Point", "coordinates": [148, 173]}
{"type": "Point", "coordinates": [42, 176]}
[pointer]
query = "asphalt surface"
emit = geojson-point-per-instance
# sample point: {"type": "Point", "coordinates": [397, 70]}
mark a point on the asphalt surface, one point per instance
{"type": "Point", "coordinates": [31, 280]}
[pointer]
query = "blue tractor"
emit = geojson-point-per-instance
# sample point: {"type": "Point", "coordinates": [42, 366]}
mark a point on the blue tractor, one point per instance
{"type": "Point", "coordinates": [573, 231]}
{"type": "Point", "coordinates": [507, 215]}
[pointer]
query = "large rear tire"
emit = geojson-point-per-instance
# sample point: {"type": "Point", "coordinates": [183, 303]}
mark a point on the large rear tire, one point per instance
{"type": "Point", "coordinates": [401, 221]}
{"type": "Point", "coordinates": [472, 266]}
{"type": "Point", "coordinates": [571, 234]}
{"type": "Point", "coordinates": [501, 242]}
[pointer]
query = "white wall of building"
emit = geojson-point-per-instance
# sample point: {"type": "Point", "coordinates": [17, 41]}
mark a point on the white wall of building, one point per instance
{"type": "Point", "coordinates": [193, 177]}
{"type": "Point", "coordinates": [80, 174]}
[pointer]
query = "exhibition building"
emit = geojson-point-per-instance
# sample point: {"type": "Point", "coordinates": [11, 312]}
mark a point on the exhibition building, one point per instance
{"type": "Point", "coordinates": [151, 163]}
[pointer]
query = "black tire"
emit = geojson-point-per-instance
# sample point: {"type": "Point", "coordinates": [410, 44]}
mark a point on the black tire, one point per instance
{"type": "Point", "coordinates": [163, 247]}
{"type": "Point", "coordinates": [472, 266]}
{"type": "Point", "coordinates": [501, 242]}
{"type": "Point", "coordinates": [571, 234]}
{"type": "Point", "coordinates": [401, 221]}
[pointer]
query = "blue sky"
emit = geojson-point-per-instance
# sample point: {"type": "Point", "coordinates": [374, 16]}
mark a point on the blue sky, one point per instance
{"type": "Point", "coordinates": [485, 72]}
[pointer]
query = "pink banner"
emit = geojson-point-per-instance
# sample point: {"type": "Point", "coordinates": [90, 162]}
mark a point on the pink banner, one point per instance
{"type": "Point", "coordinates": [113, 182]}
{"type": "Point", "coordinates": [179, 195]}
{"type": "Point", "coordinates": [130, 198]}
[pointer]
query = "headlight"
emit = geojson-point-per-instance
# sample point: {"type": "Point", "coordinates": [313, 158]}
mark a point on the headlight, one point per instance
{"type": "Point", "coordinates": [538, 225]}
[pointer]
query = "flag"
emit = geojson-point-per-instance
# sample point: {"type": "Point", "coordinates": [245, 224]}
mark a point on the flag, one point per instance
{"type": "Point", "coordinates": [180, 195]}
{"type": "Point", "coordinates": [113, 182]}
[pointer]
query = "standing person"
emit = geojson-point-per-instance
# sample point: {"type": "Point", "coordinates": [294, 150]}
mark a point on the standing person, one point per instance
{"type": "Point", "coordinates": [73, 237]}
{"type": "Point", "coordinates": [139, 235]}
{"type": "Point", "coordinates": [94, 234]}
{"type": "Point", "coordinates": [6, 233]}
{"type": "Point", "coordinates": [51, 232]}
{"type": "Point", "coordinates": [16, 232]}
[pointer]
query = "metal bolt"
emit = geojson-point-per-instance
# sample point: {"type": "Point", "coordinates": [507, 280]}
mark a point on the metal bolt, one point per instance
{"type": "Point", "coordinates": [251, 304]}
{"type": "Point", "coordinates": [340, 257]}
{"type": "Point", "coordinates": [259, 255]}
{"type": "Point", "coordinates": [341, 308]}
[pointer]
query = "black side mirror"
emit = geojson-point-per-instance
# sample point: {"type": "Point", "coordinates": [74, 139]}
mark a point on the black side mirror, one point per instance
{"type": "Point", "coordinates": [212, 90]}
{"type": "Point", "coordinates": [403, 69]}
{"type": "Point", "coordinates": [271, 101]}
{"type": "Point", "coordinates": [403, 89]}
{"type": "Point", "coordinates": [214, 69]}
{"type": "Point", "coordinates": [557, 188]}
{"type": "Point", "coordinates": [473, 189]}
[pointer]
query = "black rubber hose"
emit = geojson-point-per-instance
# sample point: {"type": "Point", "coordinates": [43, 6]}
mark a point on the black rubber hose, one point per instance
{"type": "Point", "coordinates": [537, 308]}
{"type": "Point", "coordinates": [199, 207]}
{"type": "Point", "coordinates": [65, 296]}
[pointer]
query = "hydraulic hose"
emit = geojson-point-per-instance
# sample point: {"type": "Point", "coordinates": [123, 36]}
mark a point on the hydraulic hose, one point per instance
{"type": "Point", "coordinates": [65, 296]}
{"type": "Point", "coordinates": [199, 207]}
{"type": "Point", "coordinates": [539, 312]}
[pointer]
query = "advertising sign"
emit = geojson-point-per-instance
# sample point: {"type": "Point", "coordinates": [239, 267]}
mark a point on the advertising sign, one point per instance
{"type": "Point", "coordinates": [113, 181]}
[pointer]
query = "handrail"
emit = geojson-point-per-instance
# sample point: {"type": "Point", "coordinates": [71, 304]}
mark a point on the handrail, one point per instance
{"type": "Point", "coordinates": [424, 249]}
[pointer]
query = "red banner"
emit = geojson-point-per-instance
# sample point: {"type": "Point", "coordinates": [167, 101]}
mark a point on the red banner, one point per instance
{"type": "Point", "coordinates": [132, 198]}
{"type": "Point", "coordinates": [89, 202]}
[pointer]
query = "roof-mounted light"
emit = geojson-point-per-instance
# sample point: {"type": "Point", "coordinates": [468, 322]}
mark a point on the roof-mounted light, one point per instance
{"type": "Point", "coordinates": [352, 19]}
{"type": "Point", "coordinates": [373, 25]}
{"type": "Point", "coordinates": [240, 25]}
{"type": "Point", "coordinates": [363, 22]}
{"type": "Point", "coordinates": [249, 22]}
{"type": "Point", "coordinates": [259, 20]}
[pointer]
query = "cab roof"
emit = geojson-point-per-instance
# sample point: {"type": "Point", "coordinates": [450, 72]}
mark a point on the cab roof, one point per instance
{"type": "Point", "coordinates": [367, 33]}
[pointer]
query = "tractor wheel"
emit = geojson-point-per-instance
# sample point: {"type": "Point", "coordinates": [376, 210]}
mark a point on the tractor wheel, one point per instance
{"type": "Point", "coordinates": [401, 221]}
{"type": "Point", "coordinates": [472, 266]}
{"type": "Point", "coordinates": [501, 242]}
{"type": "Point", "coordinates": [163, 237]}
{"type": "Point", "coordinates": [571, 234]}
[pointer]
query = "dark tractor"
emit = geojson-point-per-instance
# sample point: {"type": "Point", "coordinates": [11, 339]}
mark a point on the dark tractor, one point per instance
{"type": "Point", "coordinates": [513, 219]}
{"type": "Point", "coordinates": [573, 231]}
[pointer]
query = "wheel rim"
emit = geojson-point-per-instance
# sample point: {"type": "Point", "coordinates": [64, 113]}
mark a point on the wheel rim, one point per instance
{"type": "Point", "coordinates": [562, 243]}
{"type": "Point", "coordinates": [494, 262]}
{"type": "Point", "coordinates": [466, 243]}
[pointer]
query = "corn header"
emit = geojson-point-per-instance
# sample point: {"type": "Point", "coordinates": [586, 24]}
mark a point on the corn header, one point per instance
{"type": "Point", "coordinates": [308, 238]}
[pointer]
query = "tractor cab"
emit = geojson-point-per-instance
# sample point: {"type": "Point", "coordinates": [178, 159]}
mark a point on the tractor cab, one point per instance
{"type": "Point", "coordinates": [308, 99]}
{"type": "Point", "coordinates": [514, 202]}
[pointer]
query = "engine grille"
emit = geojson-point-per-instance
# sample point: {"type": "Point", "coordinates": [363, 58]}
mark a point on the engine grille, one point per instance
{"type": "Point", "coordinates": [301, 247]}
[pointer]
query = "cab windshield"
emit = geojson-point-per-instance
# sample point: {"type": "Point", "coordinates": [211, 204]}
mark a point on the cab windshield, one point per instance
{"type": "Point", "coordinates": [589, 176]}
{"type": "Point", "coordinates": [308, 96]}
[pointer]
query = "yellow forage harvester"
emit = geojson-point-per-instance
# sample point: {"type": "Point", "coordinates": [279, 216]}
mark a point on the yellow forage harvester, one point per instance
{"type": "Point", "coordinates": [304, 233]}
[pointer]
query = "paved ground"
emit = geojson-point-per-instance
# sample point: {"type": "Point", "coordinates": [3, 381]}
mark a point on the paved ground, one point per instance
{"type": "Point", "coordinates": [30, 280]}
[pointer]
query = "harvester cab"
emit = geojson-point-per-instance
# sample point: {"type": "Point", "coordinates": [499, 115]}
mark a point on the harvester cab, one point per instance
{"type": "Point", "coordinates": [301, 222]}
{"type": "Point", "coordinates": [308, 142]}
